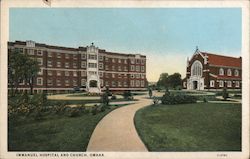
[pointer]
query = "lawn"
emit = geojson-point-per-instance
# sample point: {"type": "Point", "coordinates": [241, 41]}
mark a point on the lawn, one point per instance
{"type": "Point", "coordinates": [53, 133]}
{"type": "Point", "coordinates": [190, 127]}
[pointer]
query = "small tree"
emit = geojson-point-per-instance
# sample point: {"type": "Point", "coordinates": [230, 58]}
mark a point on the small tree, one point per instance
{"type": "Point", "coordinates": [32, 69]}
{"type": "Point", "coordinates": [150, 93]}
{"type": "Point", "coordinates": [105, 97]}
{"type": "Point", "coordinates": [224, 93]}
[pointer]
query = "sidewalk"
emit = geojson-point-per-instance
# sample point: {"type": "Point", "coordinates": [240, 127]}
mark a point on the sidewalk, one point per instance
{"type": "Point", "coordinates": [116, 131]}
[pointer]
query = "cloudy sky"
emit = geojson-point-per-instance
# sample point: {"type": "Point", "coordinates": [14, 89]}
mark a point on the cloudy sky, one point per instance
{"type": "Point", "coordinates": [167, 36]}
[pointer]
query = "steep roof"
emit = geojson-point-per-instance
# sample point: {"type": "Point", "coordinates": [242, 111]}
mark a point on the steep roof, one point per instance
{"type": "Point", "coordinates": [221, 60]}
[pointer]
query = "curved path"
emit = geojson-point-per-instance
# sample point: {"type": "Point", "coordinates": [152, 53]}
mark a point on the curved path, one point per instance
{"type": "Point", "coordinates": [116, 131]}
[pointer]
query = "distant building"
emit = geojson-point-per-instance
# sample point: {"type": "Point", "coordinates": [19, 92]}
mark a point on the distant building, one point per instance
{"type": "Point", "coordinates": [88, 68]}
{"type": "Point", "coordinates": [211, 71]}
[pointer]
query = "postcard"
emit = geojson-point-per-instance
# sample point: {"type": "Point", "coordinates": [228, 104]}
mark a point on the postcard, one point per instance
{"type": "Point", "coordinates": [124, 79]}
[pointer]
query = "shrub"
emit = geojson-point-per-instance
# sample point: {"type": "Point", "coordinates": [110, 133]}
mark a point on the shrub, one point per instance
{"type": "Point", "coordinates": [178, 99]}
{"type": "Point", "coordinates": [94, 110]}
{"type": "Point", "coordinates": [74, 112]}
{"type": "Point", "coordinates": [127, 95]}
{"type": "Point", "coordinates": [113, 97]}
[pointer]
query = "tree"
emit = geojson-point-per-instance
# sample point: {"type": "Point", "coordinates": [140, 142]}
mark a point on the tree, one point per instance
{"type": "Point", "coordinates": [32, 69]}
{"type": "Point", "coordinates": [174, 80]}
{"type": "Point", "coordinates": [105, 97]}
{"type": "Point", "coordinates": [21, 68]}
{"type": "Point", "coordinates": [162, 82]}
{"type": "Point", "coordinates": [169, 81]}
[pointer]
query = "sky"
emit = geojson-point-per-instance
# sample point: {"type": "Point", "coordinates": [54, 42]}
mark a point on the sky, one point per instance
{"type": "Point", "coordinates": [167, 36]}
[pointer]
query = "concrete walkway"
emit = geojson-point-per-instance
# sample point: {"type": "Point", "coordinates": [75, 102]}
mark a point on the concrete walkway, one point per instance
{"type": "Point", "coordinates": [116, 131]}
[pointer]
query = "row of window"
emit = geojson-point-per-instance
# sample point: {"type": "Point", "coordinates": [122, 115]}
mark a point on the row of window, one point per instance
{"type": "Point", "coordinates": [228, 72]}
{"type": "Point", "coordinates": [84, 73]}
{"type": "Point", "coordinates": [133, 83]}
{"type": "Point", "coordinates": [225, 83]}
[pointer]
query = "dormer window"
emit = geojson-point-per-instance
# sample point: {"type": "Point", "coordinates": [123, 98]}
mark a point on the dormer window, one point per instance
{"type": "Point", "coordinates": [229, 72]}
{"type": "Point", "coordinates": [221, 71]}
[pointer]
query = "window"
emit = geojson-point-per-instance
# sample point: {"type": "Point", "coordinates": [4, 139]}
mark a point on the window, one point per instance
{"type": "Point", "coordinates": [125, 61]}
{"type": "Point", "coordinates": [49, 73]}
{"type": "Point", "coordinates": [58, 64]}
{"type": "Point", "coordinates": [40, 72]}
{"type": "Point", "coordinates": [106, 59]}
{"type": "Point", "coordinates": [30, 51]}
{"type": "Point", "coordinates": [83, 82]}
{"type": "Point", "coordinates": [58, 73]}
{"type": "Point", "coordinates": [119, 68]}
{"type": "Point", "coordinates": [39, 53]}
{"type": "Point", "coordinates": [236, 72]}
{"type": "Point", "coordinates": [142, 61]}
{"type": "Point", "coordinates": [83, 64]}
{"type": "Point", "coordinates": [58, 82]}
{"type": "Point", "coordinates": [196, 69]}
{"type": "Point", "coordinates": [212, 83]}
{"type": "Point", "coordinates": [66, 82]}
{"type": "Point", "coordinates": [137, 68]}
{"type": "Point", "coordinates": [132, 67]}
{"type": "Point", "coordinates": [119, 83]}
{"type": "Point", "coordinates": [137, 61]}
{"type": "Point", "coordinates": [74, 65]}
{"type": "Point", "coordinates": [100, 65]}
{"type": "Point", "coordinates": [92, 57]}
{"type": "Point", "coordinates": [74, 82]}
{"type": "Point", "coordinates": [83, 56]}
{"type": "Point", "coordinates": [113, 68]}
{"type": "Point", "coordinates": [101, 82]}
{"type": "Point", "coordinates": [75, 56]}
{"type": "Point", "coordinates": [184, 84]}
{"type": "Point", "coordinates": [49, 82]}
{"type": "Point", "coordinates": [229, 72]}
{"type": "Point", "coordinates": [66, 56]}
{"type": "Point", "coordinates": [100, 58]}
{"type": "Point", "coordinates": [119, 61]}
{"type": "Point", "coordinates": [66, 65]}
{"type": "Point", "coordinates": [142, 69]}
{"type": "Point", "coordinates": [66, 73]}
{"type": "Point", "coordinates": [113, 84]}
{"type": "Point", "coordinates": [101, 74]}
{"type": "Point", "coordinates": [137, 75]}
{"type": "Point", "coordinates": [58, 55]}
{"type": "Point", "coordinates": [113, 75]}
{"type": "Point", "coordinates": [113, 60]}
{"type": "Point", "coordinates": [237, 83]}
{"type": "Point", "coordinates": [221, 84]}
{"type": "Point", "coordinates": [132, 61]}
{"type": "Point", "coordinates": [132, 76]}
{"type": "Point", "coordinates": [49, 63]}
{"type": "Point", "coordinates": [40, 61]}
{"type": "Point", "coordinates": [74, 73]}
{"type": "Point", "coordinates": [132, 83]}
{"type": "Point", "coordinates": [106, 83]}
{"type": "Point", "coordinates": [229, 83]}
{"type": "Point", "coordinates": [125, 84]}
{"type": "Point", "coordinates": [119, 75]}
{"type": "Point", "coordinates": [142, 83]}
{"type": "Point", "coordinates": [106, 75]}
{"type": "Point", "coordinates": [142, 76]}
{"type": "Point", "coordinates": [39, 81]}
{"type": "Point", "coordinates": [137, 83]}
{"type": "Point", "coordinates": [49, 54]}
{"type": "Point", "coordinates": [83, 73]}
{"type": "Point", "coordinates": [106, 67]}
{"type": "Point", "coordinates": [221, 71]}
{"type": "Point", "coordinates": [125, 68]}
{"type": "Point", "coordinates": [92, 65]}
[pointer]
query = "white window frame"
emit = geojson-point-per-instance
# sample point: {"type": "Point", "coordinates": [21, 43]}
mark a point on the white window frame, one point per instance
{"type": "Point", "coordinates": [212, 83]}
{"type": "Point", "coordinates": [221, 71]}
{"type": "Point", "coordinates": [236, 73]}
{"type": "Point", "coordinates": [221, 83]}
{"type": "Point", "coordinates": [41, 80]}
{"type": "Point", "coordinates": [229, 83]}
{"type": "Point", "coordinates": [229, 72]}
{"type": "Point", "coordinates": [237, 84]}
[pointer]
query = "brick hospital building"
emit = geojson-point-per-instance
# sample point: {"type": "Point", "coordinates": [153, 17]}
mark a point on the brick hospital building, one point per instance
{"type": "Point", "coordinates": [63, 69]}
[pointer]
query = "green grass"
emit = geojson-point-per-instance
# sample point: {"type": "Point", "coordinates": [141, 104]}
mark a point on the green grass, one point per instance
{"type": "Point", "coordinates": [190, 127]}
{"type": "Point", "coordinates": [53, 133]}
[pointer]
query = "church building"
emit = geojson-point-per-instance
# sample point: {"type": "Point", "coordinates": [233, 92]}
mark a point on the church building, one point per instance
{"type": "Point", "coordinates": [208, 71]}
